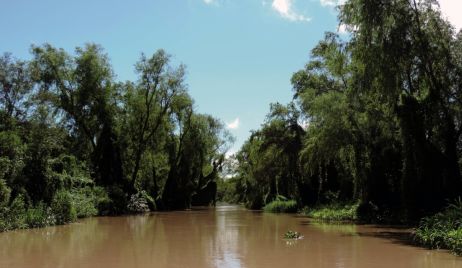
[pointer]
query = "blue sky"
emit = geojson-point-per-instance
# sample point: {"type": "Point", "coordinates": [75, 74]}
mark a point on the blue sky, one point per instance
{"type": "Point", "coordinates": [240, 54]}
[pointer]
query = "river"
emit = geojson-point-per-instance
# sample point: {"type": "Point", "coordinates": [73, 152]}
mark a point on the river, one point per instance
{"type": "Point", "coordinates": [225, 237]}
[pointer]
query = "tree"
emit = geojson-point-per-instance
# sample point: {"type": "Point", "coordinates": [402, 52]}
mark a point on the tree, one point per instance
{"type": "Point", "coordinates": [407, 55]}
{"type": "Point", "coordinates": [82, 88]}
{"type": "Point", "coordinates": [150, 102]}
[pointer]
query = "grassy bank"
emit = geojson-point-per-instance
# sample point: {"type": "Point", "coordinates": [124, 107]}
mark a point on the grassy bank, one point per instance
{"type": "Point", "coordinates": [281, 206]}
{"type": "Point", "coordinates": [440, 231]}
{"type": "Point", "coordinates": [65, 207]}
{"type": "Point", "coordinates": [333, 213]}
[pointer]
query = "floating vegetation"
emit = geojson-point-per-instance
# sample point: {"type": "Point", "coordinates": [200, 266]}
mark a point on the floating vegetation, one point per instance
{"type": "Point", "coordinates": [293, 235]}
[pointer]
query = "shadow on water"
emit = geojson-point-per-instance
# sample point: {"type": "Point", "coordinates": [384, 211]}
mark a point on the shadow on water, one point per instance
{"type": "Point", "coordinates": [396, 234]}
{"type": "Point", "coordinates": [396, 237]}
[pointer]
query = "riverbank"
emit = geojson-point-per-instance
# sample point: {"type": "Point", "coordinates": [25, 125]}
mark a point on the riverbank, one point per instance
{"type": "Point", "coordinates": [440, 231]}
{"type": "Point", "coordinates": [65, 207]}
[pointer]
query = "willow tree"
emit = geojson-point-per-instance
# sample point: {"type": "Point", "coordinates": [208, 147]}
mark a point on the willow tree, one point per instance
{"type": "Point", "coordinates": [15, 88]}
{"type": "Point", "coordinates": [196, 148]}
{"type": "Point", "coordinates": [407, 54]}
{"type": "Point", "coordinates": [82, 89]}
{"type": "Point", "coordinates": [350, 144]}
{"type": "Point", "coordinates": [150, 104]}
{"type": "Point", "coordinates": [269, 166]}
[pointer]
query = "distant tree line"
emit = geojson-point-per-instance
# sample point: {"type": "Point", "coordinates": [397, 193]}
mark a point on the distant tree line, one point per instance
{"type": "Point", "coordinates": [74, 140]}
{"type": "Point", "coordinates": [376, 119]}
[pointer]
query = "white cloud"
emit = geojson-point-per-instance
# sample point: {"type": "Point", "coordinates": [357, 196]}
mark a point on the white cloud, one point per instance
{"type": "Point", "coordinates": [451, 10]}
{"type": "Point", "coordinates": [342, 29]}
{"type": "Point", "coordinates": [285, 9]}
{"type": "Point", "coordinates": [209, 2]}
{"type": "Point", "coordinates": [328, 3]}
{"type": "Point", "coordinates": [234, 124]}
{"type": "Point", "coordinates": [332, 3]}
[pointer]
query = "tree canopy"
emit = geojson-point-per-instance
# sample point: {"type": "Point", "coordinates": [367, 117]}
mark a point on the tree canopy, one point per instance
{"type": "Point", "coordinates": [71, 134]}
{"type": "Point", "coordinates": [375, 119]}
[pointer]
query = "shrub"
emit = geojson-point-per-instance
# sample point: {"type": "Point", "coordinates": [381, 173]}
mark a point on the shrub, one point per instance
{"type": "Point", "coordinates": [292, 235]}
{"type": "Point", "coordinates": [150, 201]}
{"type": "Point", "coordinates": [101, 200]}
{"type": "Point", "coordinates": [4, 193]}
{"type": "Point", "coordinates": [84, 201]}
{"type": "Point", "coordinates": [62, 208]}
{"type": "Point", "coordinates": [17, 213]}
{"type": "Point", "coordinates": [138, 203]}
{"type": "Point", "coordinates": [281, 205]}
{"type": "Point", "coordinates": [118, 202]}
{"type": "Point", "coordinates": [442, 230]}
{"type": "Point", "coordinates": [13, 217]}
{"type": "Point", "coordinates": [89, 201]}
{"type": "Point", "coordinates": [334, 213]}
{"type": "Point", "coordinates": [454, 241]}
{"type": "Point", "coordinates": [40, 216]}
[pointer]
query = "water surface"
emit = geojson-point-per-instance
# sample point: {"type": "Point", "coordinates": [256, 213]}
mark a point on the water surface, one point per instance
{"type": "Point", "coordinates": [227, 236]}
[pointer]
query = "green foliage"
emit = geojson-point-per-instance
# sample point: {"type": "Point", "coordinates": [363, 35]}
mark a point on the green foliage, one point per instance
{"type": "Point", "coordinates": [11, 156]}
{"type": "Point", "coordinates": [268, 163]}
{"type": "Point", "coordinates": [13, 216]}
{"type": "Point", "coordinates": [39, 216]}
{"type": "Point", "coordinates": [16, 213]}
{"type": "Point", "coordinates": [118, 201]}
{"type": "Point", "coordinates": [5, 192]}
{"type": "Point", "coordinates": [138, 203]}
{"type": "Point", "coordinates": [226, 191]}
{"type": "Point", "coordinates": [74, 142]}
{"type": "Point", "coordinates": [63, 208]}
{"type": "Point", "coordinates": [442, 230]}
{"type": "Point", "coordinates": [375, 120]}
{"type": "Point", "coordinates": [281, 205]}
{"type": "Point", "coordinates": [454, 241]}
{"type": "Point", "coordinates": [86, 201]}
{"type": "Point", "coordinates": [101, 200]}
{"type": "Point", "coordinates": [292, 235]}
{"type": "Point", "coordinates": [339, 213]}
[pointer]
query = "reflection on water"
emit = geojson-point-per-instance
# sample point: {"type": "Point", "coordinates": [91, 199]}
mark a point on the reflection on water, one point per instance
{"type": "Point", "coordinates": [225, 237]}
{"type": "Point", "coordinates": [350, 229]}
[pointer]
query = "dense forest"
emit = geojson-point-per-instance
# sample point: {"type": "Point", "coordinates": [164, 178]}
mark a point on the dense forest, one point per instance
{"type": "Point", "coordinates": [74, 142]}
{"type": "Point", "coordinates": [375, 121]}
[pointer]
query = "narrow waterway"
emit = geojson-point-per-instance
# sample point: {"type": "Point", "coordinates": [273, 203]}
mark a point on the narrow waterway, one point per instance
{"type": "Point", "coordinates": [226, 236]}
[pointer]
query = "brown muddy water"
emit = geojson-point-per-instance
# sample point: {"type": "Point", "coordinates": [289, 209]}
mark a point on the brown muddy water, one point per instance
{"type": "Point", "coordinates": [226, 236]}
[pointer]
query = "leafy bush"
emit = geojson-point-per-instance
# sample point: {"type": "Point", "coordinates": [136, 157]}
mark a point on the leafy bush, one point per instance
{"type": "Point", "coordinates": [292, 235]}
{"type": "Point", "coordinates": [87, 200]}
{"type": "Point", "coordinates": [102, 200]}
{"type": "Point", "coordinates": [442, 230]}
{"type": "Point", "coordinates": [117, 202]}
{"type": "Point", "coordinates": [40, 216]}
{"type": "Point", "coordinates": [11, 155]}
{"type": "Point", "coordinates": [281, 205]}
{"type": "Point", "coordinates": [5, 192]}
{"type": "Point", "coordinates": [62, 208]}
{"type": "Point", "coordinates": [454, 241]}
{"type": "Point", "coordinates": [16, 216]}
{"type": "Point", "coordinates": [65, 207]}
{"type": "Point", "coordinates": [13, 217]}
{"type": "Point", "coordinates": [334, 213]}
{"type": "Point", "coordinates": [138, 203]}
